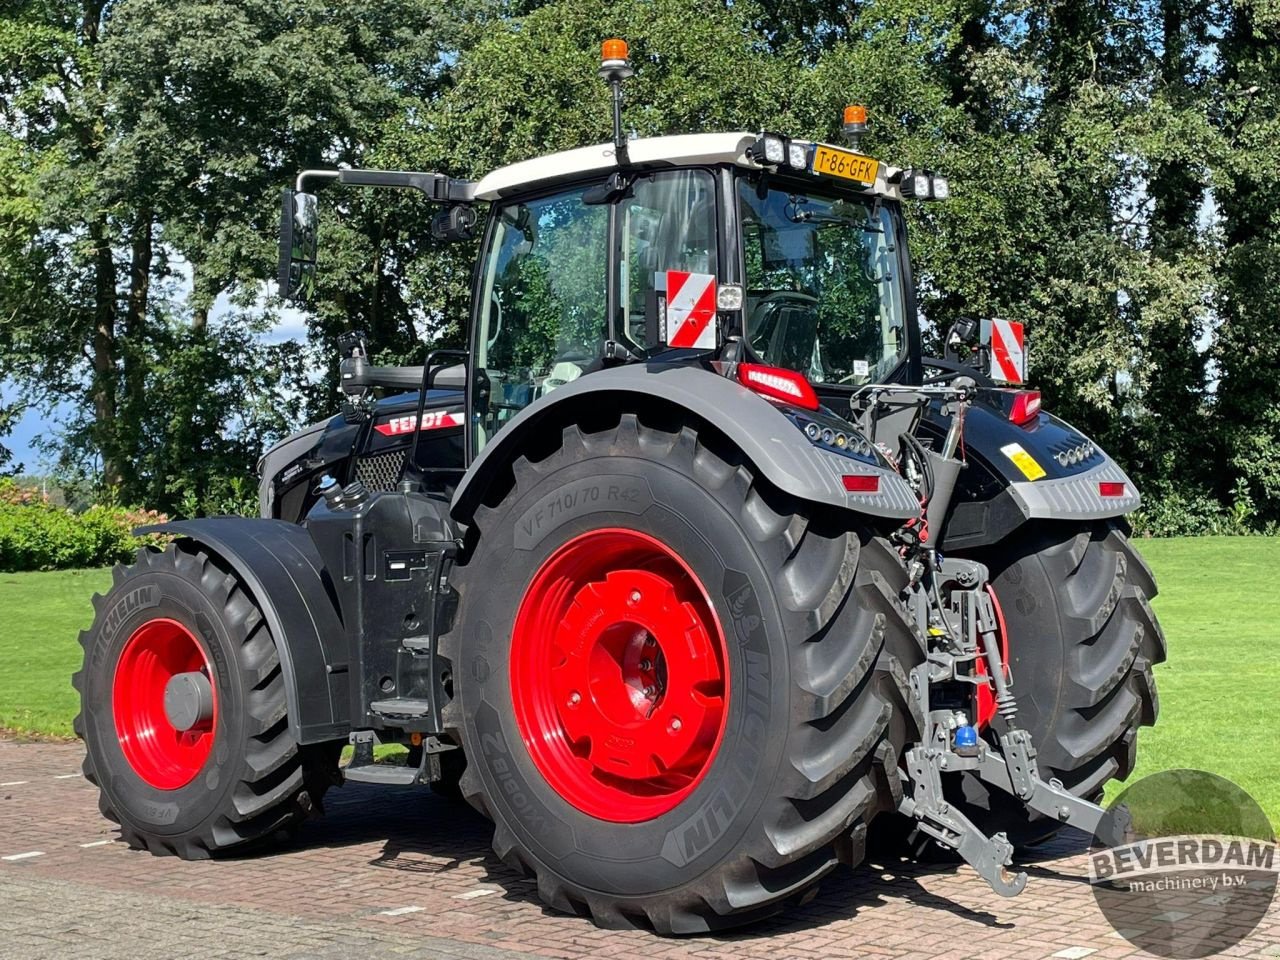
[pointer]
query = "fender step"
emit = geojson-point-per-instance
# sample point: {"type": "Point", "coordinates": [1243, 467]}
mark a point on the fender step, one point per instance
{"type": "Point", "coordinates": [388, 774]}
{"type": "Point", "coordinates": [401, 707]}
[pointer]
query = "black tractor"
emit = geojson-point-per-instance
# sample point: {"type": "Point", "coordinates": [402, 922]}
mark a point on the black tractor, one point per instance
{"type": "Point", "coordinates": [691, 572]}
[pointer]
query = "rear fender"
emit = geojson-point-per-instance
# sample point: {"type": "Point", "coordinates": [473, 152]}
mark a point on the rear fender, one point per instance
{"type": "Point", "coordinates": [1043, 470]}
{"type": "Point", "coordinates": [774, 444]}
{"type": "Point", "coordinates": [281, 568]}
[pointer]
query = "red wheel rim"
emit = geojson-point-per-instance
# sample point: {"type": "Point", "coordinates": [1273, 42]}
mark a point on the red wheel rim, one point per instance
{"type": "Point", "coordinates": [986, 705]}
{"type": "Point", "coordinates": [618, 675]}
{"type": "Point", "coordinates": [163, 756]}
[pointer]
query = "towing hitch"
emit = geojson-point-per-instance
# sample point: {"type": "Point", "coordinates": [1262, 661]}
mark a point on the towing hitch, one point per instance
{"type": "Point", "coordinates": [963, 633]}
{"type": "Point", "coordinates": [1016, 774]}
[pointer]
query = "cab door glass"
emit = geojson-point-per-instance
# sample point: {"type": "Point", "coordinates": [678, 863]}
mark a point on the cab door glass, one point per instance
{"type": "Point", "coordinates": [542, 310]}
{"type": "Point", "coordinates": [667, 222]}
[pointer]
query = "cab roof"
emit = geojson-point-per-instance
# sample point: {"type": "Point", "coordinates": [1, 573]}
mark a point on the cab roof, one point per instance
{"type": "Point", "coordinates": [648, 152]}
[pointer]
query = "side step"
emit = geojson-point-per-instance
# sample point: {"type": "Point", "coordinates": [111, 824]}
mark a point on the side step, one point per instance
{"type": "Point", "coordinates": [401, 707]}
{"type": "Point", "coordinates": [388, 774]}
{"type": "Point", "coordinates": [363, 769]}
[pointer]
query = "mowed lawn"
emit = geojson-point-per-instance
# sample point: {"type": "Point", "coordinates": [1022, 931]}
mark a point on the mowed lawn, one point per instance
{"type": "Point", "coordinates": [1217, 602]}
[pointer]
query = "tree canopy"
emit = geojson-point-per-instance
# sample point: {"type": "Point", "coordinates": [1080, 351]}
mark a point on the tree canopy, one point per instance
{"type": "Point", "coordinates": [1113, 168]}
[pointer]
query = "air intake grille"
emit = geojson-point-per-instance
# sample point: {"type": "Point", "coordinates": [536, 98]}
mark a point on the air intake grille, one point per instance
{"type": "Point", "coordinates": [380, 471]}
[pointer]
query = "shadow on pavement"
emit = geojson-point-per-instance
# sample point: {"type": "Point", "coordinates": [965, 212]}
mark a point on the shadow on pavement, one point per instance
{"type": "Point", "coordinates": [428, 835]}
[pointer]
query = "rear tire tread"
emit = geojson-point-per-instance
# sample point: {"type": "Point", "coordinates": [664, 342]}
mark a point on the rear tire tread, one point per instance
{"type": "Point", "coordinates": [850, 694]}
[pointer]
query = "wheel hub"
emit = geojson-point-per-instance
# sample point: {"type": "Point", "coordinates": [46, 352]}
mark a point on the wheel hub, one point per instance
{"type": "Point", "coordinates": [164, 704]}
{"type": "Point", "coordinates": [618, 675]}
{"type": "Point", "coordinates": [188, 700]}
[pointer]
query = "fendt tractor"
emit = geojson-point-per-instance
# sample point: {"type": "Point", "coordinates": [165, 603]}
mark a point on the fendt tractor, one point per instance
{"type": "Point", "coordinates": [691, 573]}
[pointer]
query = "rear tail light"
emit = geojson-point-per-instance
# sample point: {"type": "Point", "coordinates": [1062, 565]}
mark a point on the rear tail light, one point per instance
{"type": "Point", "coordinates": [861, 482]}
{"type": "Point", "coordinates": [1026, 406]}
{"type": "Point", "coordinates": [1111, 488]}
{"type": "Point", "coordinates": [785, 385]}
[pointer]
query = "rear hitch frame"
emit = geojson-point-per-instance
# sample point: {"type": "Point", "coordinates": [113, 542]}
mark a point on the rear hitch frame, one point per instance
{"type": "Point", "coordinates": [965, 633]}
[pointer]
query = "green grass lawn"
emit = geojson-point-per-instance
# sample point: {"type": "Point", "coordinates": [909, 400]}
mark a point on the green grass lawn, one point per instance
{"type": "Point", "coordinates": [1221, 612]}
{"type": "Point", "coordinates": [1217, 603]}
{"type": "Point", "coordinates": [41, 614]}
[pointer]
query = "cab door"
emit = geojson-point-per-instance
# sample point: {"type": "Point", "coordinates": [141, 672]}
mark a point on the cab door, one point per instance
{"type": "Point", "coordinates": [547, 279]}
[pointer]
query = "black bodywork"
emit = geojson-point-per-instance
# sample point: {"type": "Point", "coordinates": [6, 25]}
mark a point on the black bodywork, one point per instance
{"type": "Point", "coordinates": [374, 451]}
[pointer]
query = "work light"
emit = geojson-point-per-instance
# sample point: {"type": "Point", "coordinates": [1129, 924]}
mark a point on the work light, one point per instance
{"type": "Point", "coordinates": [915, 184]}
{"type": "Point", "coordinates": [774, 148]}
{"type": "Point", "coordinates": [797, 155]}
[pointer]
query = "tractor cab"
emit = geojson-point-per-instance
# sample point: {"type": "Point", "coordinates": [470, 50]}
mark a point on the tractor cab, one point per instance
{"type": "Point", "coordinates": [778, 253]}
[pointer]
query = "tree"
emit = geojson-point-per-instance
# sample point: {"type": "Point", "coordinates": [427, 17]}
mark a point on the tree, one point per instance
{"type": "Point", "coordinates": [1247, 352]}
{"type": "Point", "coordinates": [150, 141]}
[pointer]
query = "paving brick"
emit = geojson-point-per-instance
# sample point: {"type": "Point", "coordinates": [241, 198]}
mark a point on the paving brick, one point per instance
{"type": "Point", "coordinates": [387, 849]}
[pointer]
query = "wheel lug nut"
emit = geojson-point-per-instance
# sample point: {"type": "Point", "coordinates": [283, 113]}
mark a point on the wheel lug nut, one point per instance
{"type": "Point", "coordinates": [646, 665]}
{"type": "Point", "coordinates": [650, 691]}
{"type": "Point", "coordinates": [575, 698]}
{"type": "Point", "coordinates": [675, 725]}
{"type": "Point", "coordinates": [649, 641]}
{"type": "Point", "coordinates": [634, 598]}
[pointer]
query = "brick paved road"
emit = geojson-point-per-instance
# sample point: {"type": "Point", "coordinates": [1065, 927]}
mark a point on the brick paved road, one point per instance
{"type": "Point", "coordinates": [399, 872]}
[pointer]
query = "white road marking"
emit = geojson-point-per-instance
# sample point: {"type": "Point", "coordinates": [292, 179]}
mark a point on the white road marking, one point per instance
{"type": "Point", "coordinates": [67, 776]}
{"type": "Point", "coordinates": [14, 783]}
{"type": "Point", "coordinates": [1075, 953]}
{"type": "Point", "coordinates": [24, 856]}
{"type": "Point", "coordinates": [96, 843]}
{"type": "Point", "coordinates": [400, 911]}
{"type": "Point", "coordinates": [472, 894]}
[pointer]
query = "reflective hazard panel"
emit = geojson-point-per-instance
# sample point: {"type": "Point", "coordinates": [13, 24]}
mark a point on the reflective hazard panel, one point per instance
{"type": "Point", "coordinates": [1008, 357]}
{"type": "Point", "coordinates": [691, 310]}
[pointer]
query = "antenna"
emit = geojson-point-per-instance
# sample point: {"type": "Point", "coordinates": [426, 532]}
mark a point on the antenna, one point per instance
{"type": "Point", "coordinates": [614, 68]}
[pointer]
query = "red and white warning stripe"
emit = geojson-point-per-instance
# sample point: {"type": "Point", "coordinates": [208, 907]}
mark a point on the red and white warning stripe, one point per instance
{"type": "Point", "coordinates": [431, 420]}
{"type": "Point", "coordinates": [691, 310]}
{"type": "Point", "coordinates": [1008, 359]}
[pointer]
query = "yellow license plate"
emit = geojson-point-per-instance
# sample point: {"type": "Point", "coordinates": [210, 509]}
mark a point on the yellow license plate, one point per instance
{"type": "Point", "coordinates": [842, 163]}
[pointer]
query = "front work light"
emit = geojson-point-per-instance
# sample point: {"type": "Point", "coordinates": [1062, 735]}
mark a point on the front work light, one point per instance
{"type": "Point", "coordinates": [774, 148]}
{"type": "Point", "coordinates": [797, 155]}
{"type": "Point", "coordinates": [923, 185]}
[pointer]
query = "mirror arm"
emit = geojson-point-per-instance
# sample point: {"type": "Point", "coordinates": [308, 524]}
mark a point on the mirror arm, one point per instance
{"type": "Point", "coordinates": [436, 186]}
{"type": "Point", "coordinates": [306, 175]}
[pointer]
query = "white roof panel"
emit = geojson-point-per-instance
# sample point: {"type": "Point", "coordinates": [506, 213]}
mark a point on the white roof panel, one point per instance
{"type": "Point", "coordinates": [683, 150]}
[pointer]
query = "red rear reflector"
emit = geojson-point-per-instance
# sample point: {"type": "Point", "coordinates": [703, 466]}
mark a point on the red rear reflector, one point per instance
{"type": "Point", "coordinates": [785, 385]}
{"type": "Point", "coordinates": [1111, 488]}
{"type": "Point", "coordinates": [1026, 406]}
{"type": "Point", "coordinates": [861, 482]}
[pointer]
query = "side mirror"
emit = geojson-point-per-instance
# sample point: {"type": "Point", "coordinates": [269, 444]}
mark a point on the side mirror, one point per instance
{"type": "Point", "coordinates": [456, 223]}
{"type": "Point", "coordinates": [960, 339]}
{"type": "Point", "coordinates": [298, 222]}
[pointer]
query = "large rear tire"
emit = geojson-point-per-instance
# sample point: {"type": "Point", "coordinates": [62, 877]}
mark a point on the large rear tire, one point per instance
{"type": "Point", "coordinates": [1081, 640]}
{"type": "Point", "coordinates": [236, 776]}
{"type": "Point", "coordinates": [776, 630]}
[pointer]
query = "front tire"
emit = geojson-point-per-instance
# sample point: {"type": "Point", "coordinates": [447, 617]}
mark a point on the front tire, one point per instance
{"type": "Point", "coordinates": [236, 776]}
{"type": "Point", "coordinates": [776, 630]}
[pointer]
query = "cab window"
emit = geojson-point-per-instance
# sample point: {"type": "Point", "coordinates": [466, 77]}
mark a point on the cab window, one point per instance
{"type": "Point", "coordinates": [542, 310]}
{"type": "Point", "coordinates": [666, 222]}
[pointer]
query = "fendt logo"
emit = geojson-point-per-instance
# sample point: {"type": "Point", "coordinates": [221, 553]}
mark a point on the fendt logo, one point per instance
{"type": "Point", "coordinates": [431, 420]}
